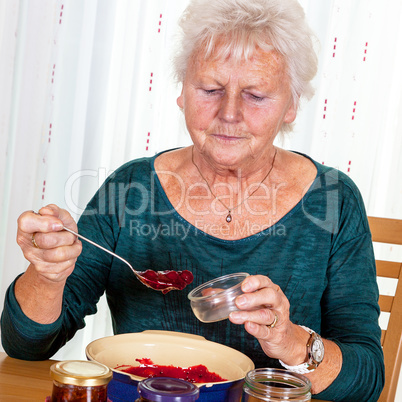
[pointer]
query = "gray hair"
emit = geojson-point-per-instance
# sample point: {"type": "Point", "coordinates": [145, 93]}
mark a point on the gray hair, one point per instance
{"type": "Point", "coordinates": [245, 25]}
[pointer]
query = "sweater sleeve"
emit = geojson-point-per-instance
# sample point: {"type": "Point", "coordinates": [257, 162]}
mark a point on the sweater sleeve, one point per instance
{"type": "Point", "coordinates": [26, 339]}
{"type": "Point", "coordinates": [350, 308]}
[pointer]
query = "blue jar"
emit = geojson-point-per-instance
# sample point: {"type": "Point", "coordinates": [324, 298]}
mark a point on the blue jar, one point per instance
{"type": "Point", "coordinates": [165, 389]}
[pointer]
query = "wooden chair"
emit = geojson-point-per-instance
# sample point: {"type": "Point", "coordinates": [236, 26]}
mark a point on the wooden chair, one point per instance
{"type": "Point", "coordinates": [390, 231]}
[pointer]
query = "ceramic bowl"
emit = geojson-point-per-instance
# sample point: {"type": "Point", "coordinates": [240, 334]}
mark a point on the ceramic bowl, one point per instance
{"type": "Point", "coordinates": [171, 348]}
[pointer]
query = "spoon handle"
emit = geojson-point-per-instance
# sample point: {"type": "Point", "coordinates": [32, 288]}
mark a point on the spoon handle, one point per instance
{"type": "Point", "coordinates": [99, 246]}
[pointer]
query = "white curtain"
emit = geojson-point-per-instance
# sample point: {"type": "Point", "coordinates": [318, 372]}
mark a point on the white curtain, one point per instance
{"type": "Point", "coordinates": [86, 85]}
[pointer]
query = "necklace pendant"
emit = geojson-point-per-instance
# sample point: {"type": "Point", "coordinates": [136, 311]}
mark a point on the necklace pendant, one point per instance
{"type": "Point", "coordinates": [229, 218]}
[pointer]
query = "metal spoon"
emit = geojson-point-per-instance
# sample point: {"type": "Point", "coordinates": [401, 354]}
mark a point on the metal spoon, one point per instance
{"type": "Point", "coordinates": [164, 281]}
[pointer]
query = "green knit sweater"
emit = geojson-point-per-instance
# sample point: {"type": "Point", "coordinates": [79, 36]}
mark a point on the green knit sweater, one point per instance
{"type": "Point", "coordinates": [320, 254]}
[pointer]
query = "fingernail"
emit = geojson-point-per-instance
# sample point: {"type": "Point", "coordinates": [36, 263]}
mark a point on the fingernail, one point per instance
{"type": "Point", "coordinates": [246, 286]}
{"type": "Point", "coordinates": [234, 315]}
{"type": "Point", "coordinates": [57, 226]}
{"type": "Point", "coordinates": [241, 301]}
{"type": "Point", "coordinates": [252, 325]}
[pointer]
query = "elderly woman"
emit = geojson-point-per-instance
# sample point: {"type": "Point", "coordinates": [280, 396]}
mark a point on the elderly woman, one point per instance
{"type": "Point", "coordinates": [231, 202]}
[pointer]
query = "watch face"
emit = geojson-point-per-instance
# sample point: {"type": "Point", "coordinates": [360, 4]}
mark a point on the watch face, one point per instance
{"type": "Point", "coordinates": [317, 350]}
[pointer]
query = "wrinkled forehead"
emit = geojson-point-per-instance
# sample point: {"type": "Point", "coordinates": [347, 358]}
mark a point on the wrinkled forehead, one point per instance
{"type": "Point", "coordinates": [239, 43]}
{"type": "Point", "coordinates": [226, 52]}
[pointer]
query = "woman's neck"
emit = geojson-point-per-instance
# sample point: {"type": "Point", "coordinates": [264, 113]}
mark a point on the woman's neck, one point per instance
{"type": "Point", "coordinates": [248, 174]}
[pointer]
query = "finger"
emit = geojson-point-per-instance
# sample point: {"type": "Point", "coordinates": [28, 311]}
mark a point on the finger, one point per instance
{"type": "Point", "coordinates": [30, 222]}
{"type": "Point", "coordinates": [57, 272]}
{"type": "Point", "coordinates": [62, 254]}
{"type": "Point", "coordinates": [265, 297]}
{"type": "Point", "coordinates": [263, 316]}
{"type": "Point", "coordinates": [256, 282]}
{"type": "Point", "coordinates": [211, 291]}
{"type": "Point", "coordinates": [261, 332]}
{"type": "Point", "coordinates": [43, 257]}
{"type": "Point", "coordinates": [63, 215]}
{"type": "Point", "coordinates": [50, 209]}
{"type": "Point", "coordinates": [54, 239]}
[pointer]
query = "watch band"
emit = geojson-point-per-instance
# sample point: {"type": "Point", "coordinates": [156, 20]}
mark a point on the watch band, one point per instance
{"type": "Point", "coordinates": [303, 368]}
{"type": "Point", "coordinates": [306, 367]}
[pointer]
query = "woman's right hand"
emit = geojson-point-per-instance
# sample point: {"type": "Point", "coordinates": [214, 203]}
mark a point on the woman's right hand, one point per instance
{"type": "Point", "coordinates": [57, 250]}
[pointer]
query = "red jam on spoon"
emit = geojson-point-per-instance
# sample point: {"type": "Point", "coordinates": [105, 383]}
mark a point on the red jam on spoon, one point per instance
{"type": "Point", "coordinates": [165, 281]}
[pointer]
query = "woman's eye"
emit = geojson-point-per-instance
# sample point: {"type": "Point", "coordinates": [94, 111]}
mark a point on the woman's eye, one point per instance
{"type": "Point", "coordinates": [210, 91]}
{"type": "Point", "coordinates": [256, 97]}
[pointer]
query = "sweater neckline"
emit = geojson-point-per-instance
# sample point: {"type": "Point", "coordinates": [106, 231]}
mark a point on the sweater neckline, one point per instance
{"type": "Point", "coordinates": [263, 233]}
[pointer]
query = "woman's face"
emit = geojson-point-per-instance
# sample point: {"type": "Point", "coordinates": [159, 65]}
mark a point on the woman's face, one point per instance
{"type": "Point", "coordinates": [234, 110]}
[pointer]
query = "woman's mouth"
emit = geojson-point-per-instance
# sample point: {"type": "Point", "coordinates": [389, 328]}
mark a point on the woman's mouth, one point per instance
{"type": "Point", "coordinates": [229, 138]}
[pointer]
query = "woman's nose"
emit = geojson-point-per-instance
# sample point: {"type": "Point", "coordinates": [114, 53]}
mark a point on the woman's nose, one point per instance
{"type": "Point", "coordinates": [230, 108]}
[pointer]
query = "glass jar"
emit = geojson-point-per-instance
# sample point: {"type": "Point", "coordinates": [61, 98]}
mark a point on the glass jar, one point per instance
{"type": "Point", "coordinates": [79, 381]}
{"type": "Point", "coordinates": [166, 389]}
{"type": "Point", "coordinates": [272, 385]}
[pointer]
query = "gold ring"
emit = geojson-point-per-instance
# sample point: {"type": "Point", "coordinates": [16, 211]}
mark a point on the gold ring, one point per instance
{"type": "Point", "coordinates": [272, 325]}
{"type": "Point", "coordinates": [33, 241]}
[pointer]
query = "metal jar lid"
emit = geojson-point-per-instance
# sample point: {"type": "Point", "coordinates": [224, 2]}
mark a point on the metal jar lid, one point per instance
{"type": "Point", "coordinates": [166, 389]}
{"type": "Point", "coordinates": [81, 372]}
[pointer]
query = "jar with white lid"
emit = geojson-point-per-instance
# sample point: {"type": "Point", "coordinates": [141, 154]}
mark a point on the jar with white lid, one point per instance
{"type": "Point", "coordinates": [273, 385]}
{"type": "Point", "coordinates": [79, 381]}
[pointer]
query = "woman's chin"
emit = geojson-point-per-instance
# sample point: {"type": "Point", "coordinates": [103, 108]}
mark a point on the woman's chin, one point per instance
{"type": "Point", "coordinates": [231, 160]}
{"type": "Point", "coordinates": [227, 152]}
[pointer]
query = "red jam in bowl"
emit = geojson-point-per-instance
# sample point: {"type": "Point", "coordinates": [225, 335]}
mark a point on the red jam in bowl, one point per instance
{"type": "Point", "coordinates": [194, 374]}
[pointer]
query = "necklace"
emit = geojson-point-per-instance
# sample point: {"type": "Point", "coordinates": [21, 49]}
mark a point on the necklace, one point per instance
{"type": "Point", "coordinates": [229, 215]}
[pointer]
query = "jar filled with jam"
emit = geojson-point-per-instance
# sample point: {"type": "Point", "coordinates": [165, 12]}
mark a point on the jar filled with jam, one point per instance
{"type": "Point", "coordinates": [166, 389]}
{"type": "Point", "coordinates": [79, 381]}
{"type": "Point", "coordinates": [273, 385]}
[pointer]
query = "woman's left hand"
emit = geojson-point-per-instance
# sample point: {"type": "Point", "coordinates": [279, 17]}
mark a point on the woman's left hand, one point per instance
{"type": "Point", "coordinates": [264, 311]}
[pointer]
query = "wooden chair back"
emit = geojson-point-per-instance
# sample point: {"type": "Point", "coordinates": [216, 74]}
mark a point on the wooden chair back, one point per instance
{"type": "Point", "coordinates": [389, 231]}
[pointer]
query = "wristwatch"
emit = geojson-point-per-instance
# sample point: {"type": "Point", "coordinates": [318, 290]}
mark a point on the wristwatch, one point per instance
{"type": "Point", "coordinates": [315, 354]}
